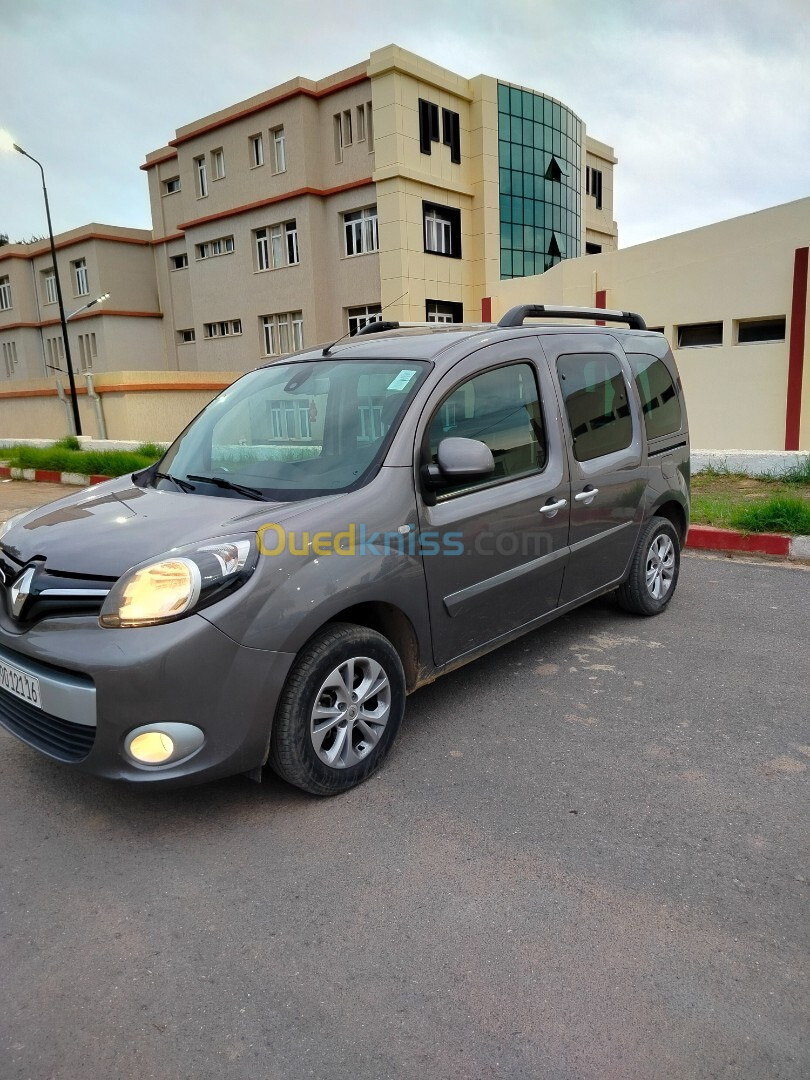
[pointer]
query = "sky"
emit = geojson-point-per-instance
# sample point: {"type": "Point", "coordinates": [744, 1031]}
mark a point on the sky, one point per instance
{"type": "Point", "coordinates": [706, 102]}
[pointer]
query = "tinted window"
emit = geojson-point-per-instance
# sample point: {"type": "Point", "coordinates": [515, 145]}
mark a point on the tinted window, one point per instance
{"type": "Point", "coordinates": [596, 402]}
{"type": "Point", "coordinates": [659, 399]}
{"type": "Point", "coordinates": [502, 409]}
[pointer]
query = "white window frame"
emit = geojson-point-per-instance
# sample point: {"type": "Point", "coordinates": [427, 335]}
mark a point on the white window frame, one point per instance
{"type": "Point", "coordinates": [209, 249]}
{"type": "Point", "coordinates": [218, 164]}
{"type": "Point", "coordinates": [262, 247]}
{"type": "Point", "coordinates": [291, 243]}
{"type": "Point", "coordinates": [360, 126]}
{"type": "Point", "coordinates": [10, 357]}
{"type": "Point", "coordinates": [279, 149]}
{"type": "Point", "coordinates": [5, 293]}
{"type": "Point", "coordinates": [283, 328]}
{"type": "Point", "coordinates": [438, 234]}
{"type": "Point", "coordinates": [358, 317]}
{"type": "Point", "coordinates": [183, 265]}
{"type": "Point", "coordinates": [80, 277]}
{"type": "Point", "coordinates": [186, 337]}
{"type": "Point", "coordinates": [256, 151]}
{"type": "Point", "coordinates": [87, 351]}
{"type": "Point", "coordinates": [202, 177]}
{"type": "Point", "coordinates": [222, 328]}
{"type": "Point", "coordinates": [361, 232]}
{"type": "Point", "coordinates": [51, 295]}
{"type": "Point", "coordinates": [171, 186]}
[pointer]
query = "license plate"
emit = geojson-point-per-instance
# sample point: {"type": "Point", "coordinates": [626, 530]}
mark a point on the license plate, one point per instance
{"type": "Point", "coordinates": [20, 683]}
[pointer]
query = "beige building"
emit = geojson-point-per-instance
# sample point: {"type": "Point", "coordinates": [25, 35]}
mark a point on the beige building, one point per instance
{"type": "Point", "coordinates": [123, 332]}
{"type": "Point", "coordinates": [732, 300]}
{"type": "Point", "coordinates": [395, 185]}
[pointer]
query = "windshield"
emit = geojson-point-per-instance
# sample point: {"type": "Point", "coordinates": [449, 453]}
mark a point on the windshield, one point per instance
{"type": "Point", "coordinates": [294, 430]}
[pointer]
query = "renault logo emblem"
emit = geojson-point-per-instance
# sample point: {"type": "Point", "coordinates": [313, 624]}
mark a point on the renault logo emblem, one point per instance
{"type": "Point", "coordinates": [21, 590]}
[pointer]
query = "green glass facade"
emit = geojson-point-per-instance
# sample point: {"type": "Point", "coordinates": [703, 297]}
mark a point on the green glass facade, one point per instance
{"type": "Point", "coordinates": [540, 159]}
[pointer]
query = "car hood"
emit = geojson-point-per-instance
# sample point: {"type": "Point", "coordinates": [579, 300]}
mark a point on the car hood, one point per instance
{"type": "Point", "coordinates": [103, 531]}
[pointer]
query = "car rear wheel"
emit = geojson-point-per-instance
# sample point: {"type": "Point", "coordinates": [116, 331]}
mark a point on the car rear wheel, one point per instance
{"type": "Point", "coordinates": [340, 710]}
{"type": "Point", "coordinates": [653, 571]}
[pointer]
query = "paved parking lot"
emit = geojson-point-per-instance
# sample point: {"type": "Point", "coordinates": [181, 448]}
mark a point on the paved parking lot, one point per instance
{"type": "Point", "coordinates": [583, 859]}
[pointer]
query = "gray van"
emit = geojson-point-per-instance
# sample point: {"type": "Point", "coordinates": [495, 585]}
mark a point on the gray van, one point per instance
{"type": "Point", "coordinates": [335, 530]}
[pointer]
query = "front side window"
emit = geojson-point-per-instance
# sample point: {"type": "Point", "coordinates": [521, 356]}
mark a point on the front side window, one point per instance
{"type": "Point", "coordinates": [294, 430]}
{"type": "Point", "coordinates": [597, 404]}
{"type": "Point", "coordinates": [502, 409]}
{"type": "Point", "coordinates": [80, 276]}
{"type": "Point", "coordinates": [361, 231]}
{"type": "Point", "coordinates": [659, 398]}
{"type": "Point", "coordinates": [5, 293]}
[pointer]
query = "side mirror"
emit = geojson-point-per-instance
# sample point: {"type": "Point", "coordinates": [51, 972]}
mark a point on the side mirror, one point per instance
{"type": "Point", "coordinates": [459, 459]}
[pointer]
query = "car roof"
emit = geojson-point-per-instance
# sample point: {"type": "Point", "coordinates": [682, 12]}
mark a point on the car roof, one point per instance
{"type": "Point", "coordinates": [419, 343]}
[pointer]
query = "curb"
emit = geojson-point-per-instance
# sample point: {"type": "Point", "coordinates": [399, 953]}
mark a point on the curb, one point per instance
{"type": "Point", "coordinates": [47, 476]}
{"type": "Point", "coordinates": [709, 538]}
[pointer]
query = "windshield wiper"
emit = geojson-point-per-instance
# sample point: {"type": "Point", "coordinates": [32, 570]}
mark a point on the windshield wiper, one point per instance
{"type": "Point", "coordinates": [218, 481]}
{"type": "Point", "coordinates": [168, 476]}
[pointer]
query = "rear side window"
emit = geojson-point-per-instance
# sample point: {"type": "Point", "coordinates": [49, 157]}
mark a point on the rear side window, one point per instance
{"type": "Point", "coordinates": [595, 396]}
{"type": "Point", "coordinates": [502, 409]}
{"type": "Point", "coordinates": [659, 398]}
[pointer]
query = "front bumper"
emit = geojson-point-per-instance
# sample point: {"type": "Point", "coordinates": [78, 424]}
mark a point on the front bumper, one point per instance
{"type": "Point", "coordinates": [117, 680]}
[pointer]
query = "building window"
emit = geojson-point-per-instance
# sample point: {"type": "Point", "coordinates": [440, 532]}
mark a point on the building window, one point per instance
{"type": "Point", "coordinates": [343, 132]}
{"type": "Point", "coordinates": [80, 277]}
{"type": "Point", "coordinates": [10, 357]}
{"type": "Point", "coordinates": [179, 262]}
{"type": "Point", "coordinates": [361, 123]}
{"type": "Point", "coordinates": [256, 151]}
{"type": "Point", "coordinates": [49, 279]}
{"type": "Point", "coordinates": [222, 246]}
{"type": "Point", "coordinates": [56, 352]}
{"type": "Point", "coordinates": [202, 177]}
{"type": "Point", "coordinates": [361, 231]}
{"type": "Point", "coordinates": [753, 331]}
{"type": "Point", "coordinates": [358, 317]}
{"type": "Point", "coordinates": [369, 126]}
{"type": "Point", "coordinates": [87, 351]}
{"type": "Point", "coordinates": [279, 150]}
{"type": "Point", "coordinates": [593, 184]}
{"type": "Point", "coordinates": [228, 328]}
{"type": "Point", "coordinates": [596, 402]}
{"type": "Point", "coordinates": [5, 293]}
{"type": "Point", "coordinates": [444, 311]}
{"type": "Point", "coordinates": [282, 333]}
{"type": "Point", "coordinates": [697, 335]}
{"type": "Point", "coordinates": [186, 337]}
{"type": "Point", "coordinates": [262, 250]}
{"type": "Point", "coordinates": [593, 249]}
{"type": "Point", "coordinates": [428, 125]}
{"type": "Point", "coordinates": [451, 134]}
{"type": "Point", "coordinates": [291, 236]}
{"type": "Point", "coordinates": [171, 185]}
{"type": "Point", "coordinates": [218, 164]}
{"type": "Point", "coordinates": [442, 227]}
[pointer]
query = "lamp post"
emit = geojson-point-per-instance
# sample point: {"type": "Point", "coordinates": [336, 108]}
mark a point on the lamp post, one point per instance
{"type": "Point", "coordinates": [62, 318]}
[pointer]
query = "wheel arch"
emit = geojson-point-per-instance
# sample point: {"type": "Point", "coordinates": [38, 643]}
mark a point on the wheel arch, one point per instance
{"type": "Point", "coordinates": [394, 624]}
{"type": "Point", "coordinates": [676, 515]}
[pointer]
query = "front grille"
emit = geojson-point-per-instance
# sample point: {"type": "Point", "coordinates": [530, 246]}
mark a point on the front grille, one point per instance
{"type": "Point", "coordinates": [58, 738]}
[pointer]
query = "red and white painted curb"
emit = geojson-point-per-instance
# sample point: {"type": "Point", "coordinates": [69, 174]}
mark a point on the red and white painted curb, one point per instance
{"type": "Point", "coordinates": [48, 476]}
{"type": "Point", "coordinates": [708, 538]}
{"type": "Point", "coordinates": [701, 537]}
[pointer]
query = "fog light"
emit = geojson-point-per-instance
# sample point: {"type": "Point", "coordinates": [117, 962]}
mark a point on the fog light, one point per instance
{"type": "Point", "coordinates": [151, 748]}
{"type": "Point", "coordinates": [164, 745]}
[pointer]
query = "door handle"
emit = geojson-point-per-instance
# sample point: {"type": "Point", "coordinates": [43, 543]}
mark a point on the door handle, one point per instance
{"type": "Point", "coordinates": [587, 496]}
{"type": "Point", "coordinates": [551, 508]}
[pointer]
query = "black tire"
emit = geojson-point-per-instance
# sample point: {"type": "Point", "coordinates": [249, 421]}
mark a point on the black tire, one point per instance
{"type": "Point", "coordinates": [292, 750]}
{"type": "Point", "coordinates": [635, 594]}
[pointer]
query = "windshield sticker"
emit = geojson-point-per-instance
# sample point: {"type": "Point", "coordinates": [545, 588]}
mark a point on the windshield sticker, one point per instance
{"type": "Point", "coordinates": [402, 380]}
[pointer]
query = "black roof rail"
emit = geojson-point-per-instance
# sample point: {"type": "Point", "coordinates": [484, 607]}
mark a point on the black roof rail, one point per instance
{"type": "Point", "coordinates": [377, 328]}
{"type": "Point", "coordinates": [516, 315]}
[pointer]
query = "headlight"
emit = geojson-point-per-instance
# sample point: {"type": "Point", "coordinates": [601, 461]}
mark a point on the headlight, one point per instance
{"type": "Point", "coordinates": [178, 583]}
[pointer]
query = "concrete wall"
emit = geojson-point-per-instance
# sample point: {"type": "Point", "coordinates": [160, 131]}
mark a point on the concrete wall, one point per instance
{"type": "Point", "coordinates": [730, 271]}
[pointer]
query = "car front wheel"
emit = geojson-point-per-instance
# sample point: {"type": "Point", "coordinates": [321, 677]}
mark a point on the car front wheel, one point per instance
{"type": "Point", "coordinates": [339, 711]}
{"type": "Point", "coordinates": [653, 571]}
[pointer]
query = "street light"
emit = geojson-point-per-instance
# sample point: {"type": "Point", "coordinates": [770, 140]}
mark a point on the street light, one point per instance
{"type": "Point", "coordinates": [78, 311]}
{"type": "Point", "coordinates": [62, 318]}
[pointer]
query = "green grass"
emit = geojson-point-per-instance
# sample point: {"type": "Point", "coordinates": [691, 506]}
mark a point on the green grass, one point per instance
{"type": "Point", "coordinates": [780, 514]}
{"type": "Point", "coordinates": [58, 458]}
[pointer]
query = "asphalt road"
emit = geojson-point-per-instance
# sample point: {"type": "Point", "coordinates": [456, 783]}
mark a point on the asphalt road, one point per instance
{"type": "Point", "coordinates": [583, 859]}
